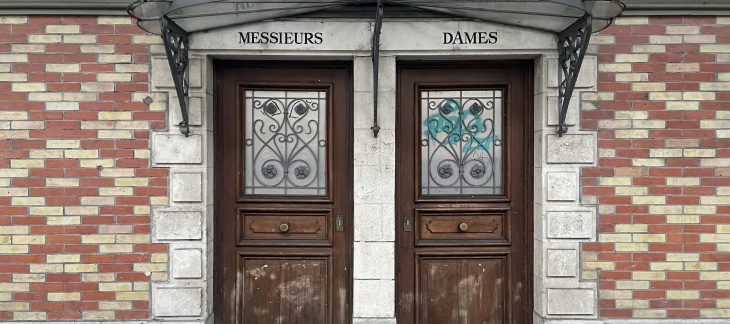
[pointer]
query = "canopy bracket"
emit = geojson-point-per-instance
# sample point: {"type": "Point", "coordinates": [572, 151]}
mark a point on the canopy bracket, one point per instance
{"type": "Point", "coordinates": [175, 40]}
{"type": "Point", "coordinates": [572, 47]}
{"type": "Point", "coordinates": [376, 62]}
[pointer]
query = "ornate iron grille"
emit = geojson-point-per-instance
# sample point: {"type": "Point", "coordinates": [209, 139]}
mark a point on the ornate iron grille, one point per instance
{"type": "Point", "coordinates": [461, 143]}
{"type": "Point", "coordinates": [285, 142]}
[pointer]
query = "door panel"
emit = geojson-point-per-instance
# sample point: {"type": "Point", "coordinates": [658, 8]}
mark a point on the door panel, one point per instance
{"type": "Point", "coordinates": [283, 240]}
{"type": "Point", "coordinates": [463, 189]}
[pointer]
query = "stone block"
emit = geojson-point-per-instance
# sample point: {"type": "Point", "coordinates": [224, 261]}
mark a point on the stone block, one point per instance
{"type": "Point", "coordinates": [194, 115]}
{"type": "Point", "coordinates": [375, 222]}
{"type": "Point", "coordinates": [562, 186]}
{"type": "Point", "coordinates": [187, 264]}
{"type": "Point", "coordinates": [586, 78]}
{"type": "Point", "coordinates": [373, 321]}
{"type": "Point", "coordinates": [571, 301]}
{"type": "Point", "coordinates": [162, 77]}
{"type": "Point", "coordinates": [187, 187]}
{"type": "Point", "coordinates": [570, 149]}
{"type": "Point", "coordinates": [177, 225]}
{"type": "Point", "coordinates": [570, 224]}
{"type": "Point", "coordinates": [177, 302]}
{"type": "Point", "coordinates": [553, 111]}
{"type": "Point", "coordinates": [562, 263]}
{"type": "Point", "coordinates": [374, 298]}
{"type": "Point", "coordinates": [374, 260]}
{"type": "Point", "coordinates": [169, 149]}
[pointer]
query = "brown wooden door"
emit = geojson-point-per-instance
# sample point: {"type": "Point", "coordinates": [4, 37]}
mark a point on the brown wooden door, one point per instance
{"type": "Point", "coordinates": [463, 194]}
{"type": "Point", "coordinates": [283, 193]}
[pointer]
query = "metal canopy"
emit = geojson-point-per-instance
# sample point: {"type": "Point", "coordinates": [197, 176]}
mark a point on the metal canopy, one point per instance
{"type": "Point", "coordinates": [573, 22]}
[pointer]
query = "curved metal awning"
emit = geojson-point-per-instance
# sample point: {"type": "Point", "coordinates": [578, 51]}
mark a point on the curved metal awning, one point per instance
{"type": "Point", "coordinates": [573, 21]}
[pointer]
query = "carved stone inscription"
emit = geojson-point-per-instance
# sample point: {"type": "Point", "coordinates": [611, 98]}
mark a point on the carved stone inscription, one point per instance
{"type": "Point", "coordinates": [461, 38]}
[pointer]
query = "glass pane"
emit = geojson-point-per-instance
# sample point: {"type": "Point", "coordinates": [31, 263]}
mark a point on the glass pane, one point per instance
{"type": "Point", "coordinates": [286, 142]}
{"type": "Point", "coordinates": [461, 142]}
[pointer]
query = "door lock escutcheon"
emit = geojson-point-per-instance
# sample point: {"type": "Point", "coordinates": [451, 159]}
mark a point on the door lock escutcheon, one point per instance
{"type": "Point", "coordinates": [339, 223]}
{"type": "Point", "coordinates": [407, 224]}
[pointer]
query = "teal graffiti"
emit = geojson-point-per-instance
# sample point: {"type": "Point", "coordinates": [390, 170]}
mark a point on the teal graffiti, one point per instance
{"type": "Point", "coordinates": [455, 128]}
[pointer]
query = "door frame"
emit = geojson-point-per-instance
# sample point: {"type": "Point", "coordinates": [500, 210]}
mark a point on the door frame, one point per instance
{"type": "Point", "coordinates": [529, 167]}
{"type": "Point", "coordinates": [218, 176]}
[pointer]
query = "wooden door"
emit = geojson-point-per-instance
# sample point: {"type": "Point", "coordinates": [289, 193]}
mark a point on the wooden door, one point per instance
{"type": "Point", "coordinates": [464, 194]}
{"type": "Point", "coordinates": [283, 162]}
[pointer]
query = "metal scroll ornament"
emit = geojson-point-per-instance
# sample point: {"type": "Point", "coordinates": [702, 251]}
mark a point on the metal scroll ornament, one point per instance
{"type": "Point", "coordinates": [176, 48]}
{"type": "Point", "coordinates": [572, 46]}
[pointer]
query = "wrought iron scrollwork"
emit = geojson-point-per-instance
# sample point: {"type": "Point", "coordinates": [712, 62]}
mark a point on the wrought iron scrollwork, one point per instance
{"type": "Point", "coordinates": [572, 46]}
{"type": "Point", "coordinates": [176, 48]}
{"type": "Point", "coordinates": [376, 62]}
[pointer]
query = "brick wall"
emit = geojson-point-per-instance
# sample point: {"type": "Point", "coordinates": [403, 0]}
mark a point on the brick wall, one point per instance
{"type": "Point", "coordinates": [76, 187]}
{"type": "Point", "coordinates": [663, 176]}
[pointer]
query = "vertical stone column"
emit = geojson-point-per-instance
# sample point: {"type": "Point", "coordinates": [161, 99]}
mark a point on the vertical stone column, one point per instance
{"type": "Point", "coordinates": [184, 224]}
{"type": "Point", "coordinates": [562, 219]}
{"type": "Point", "coordinates": [374, 194]}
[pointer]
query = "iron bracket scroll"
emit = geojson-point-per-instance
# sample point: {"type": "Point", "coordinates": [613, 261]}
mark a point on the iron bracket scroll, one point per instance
{"type": "Point", "coordinates": [175, 40]}
{"type": "Point", "coordinates": [572, 47]}
{"type": "Point", "coordinates": [376, 62]}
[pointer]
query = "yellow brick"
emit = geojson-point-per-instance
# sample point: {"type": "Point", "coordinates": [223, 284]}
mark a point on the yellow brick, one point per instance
{"type": "Point", "coordinates": [118, 172]}
{"type": "Point", "coordinates": [46, 154]}
{"type": "Point", "coordinates": [135, 238]}
{"type": "Point", "coordinates": [13, 229]}
{"type": "Point", "coordinates": [97, 48]}
{"type": "Point", "coordinates": [131, 182]}
{"type": "Point", "coordinates": [710, 200]}
{"type": "Point", "coordinates": [116, 229]}
{"type": "Point", "coordinates": [649, 124]}
{"type": "Point", "coordinates": [33, 277]}
{"type": "Point", "coordinates": [631, 77]}
{"type": "Point", "coordinates": [700, 209]}
{"type": "Point", "coordinates": [11, 192]}
{"type": "Point", "coordinates": [648, 200]}
{"type": "Point", "coordinates": [614, 294]}
{"type": "Point", "coordinates": [631, 20]}
{"type": "Point", "coordinates": [633, 133]}
{"type": "Point", "coordinates": [703, 266]}
{"type": "Point", "coordinates": [14, 287]}
{"type": "Point", "coordinates": [13, 249]}
{"type": "Point", "coordinates": [64, 296]}
{"type": "Point", "coordinates": [97, 239]}
{"type": "Point", "coordinates": [715, 124]}
{"type": "Point", "coordinates": [683, 30]}
{"type": "Point", "coordinates": [144, 267]}
{"type": "Point", "coordinates": [13, 115]}
{"type": "Point", "coordinates": [635, 228]}
{"type": "Point", "coordinates": [648, 275]}
{"type": "Point", "coordinates": [97, 315]}
{"type": "Point", "coordinates": [13, 20]}
{"type": "Point", "coordinates": [699, 153]}
{"type": "Point", "coordinates": [114, 77]}
{"type": "Point", "coordinates": [647, 162]}
{"type": "Point", "coordinates": [623, 191]}
{"type": "Point", "coordinates": [159, 276]}
{"type": "Point", "coordinates": [97, 124]}
{"type": "Point", "coordinates": [62, 68]}
{"type": "Point", "coordinates": [141, 210]}
{"type": "Point", "coordinates": [666, 266]}
{"type": "Point", "coordinates": [81, 210]}
{"type": "Point", "coordinates": [649, 237]}
{"type": "Point", "coordinates": [63, 220]}
{"type": "Point", "coordinates": [115, 115]}
{"type": "Point", "coordinates": [115, 305]}
{"type": "Point", "coordinates": [13, 306]}
{"type": "Point", "coordinates": [666, 209]}
{"type": "Point", "coordinates": [45, 96]}
{"type": "Point", "coordinates": [698, 96]}
{"type": "Point", "coordinates": [81, 154]}
{"type": "Point", "coordinates": [140, 295]}
{"type": "Point", "coordinates": [620, 58]}
{"type": "Point", "coordinates": [97, 277]}
{"type": "Point", "coordinates": [683, 294]}
{"type": "Point", "coordinates": [114, 191]}
{"type": "Point", "coordinates": [63, 258]}
{"type": "Point", "coordinates": [146, 39]}
{"type": "Point", "coordinates": [159, 201]}
{"type": "Point", "coordinates": [683, 181]}
{"type": "Point", "coordinates": [142, 154]}
{"type": "Point", "coordinates": [632, 304]}
{"type": "Point", "coordinates": [116, 248]}
{"type": "Point", "coordinates": [29, 316]}
{"type": "Point", "coordinates": [614, 237]}
{"type": "Point", "coordinates": [715, 275]}
{"type": "Point", "coordinates": [134, 68]}
{"type": "Point", "coordinates": [11, 77]}
{"type": "Point", "coordinates": [29, 239]}
{"type": "Point", "coordinates": [79, 39]}
{"type": "Point", "coordinates": [632, 285]}
{"type": "Point", "coordinates": [63, 29]}
{"type": "Point", "coordinates": [683, 219]}
{"type": "Point", "coordinates": [715, 86]}
{"type": "Point", "coordinates": [62, 182]}
{"type": "Point", "coordinates": [615, 181]}
{"type": "Point", "coordinates": [715, 313]}
{"type": "Point", "coordinates": [723, 228]}
{"type": "Point", "coordinates": [115, 286]}
{"type": "Point", "coordinates": [683, 105]}
{"type": "Point", "coordinates": [665, 96]}
{"type": "Point", "coordinates": [97, 201]}
{"type": "Point", "coordinates": [615, 67]}
{"type": "Point", "coordinates": [4, 239]}
{"type": "Point", "coordinates": [29, 87]}
{"type": "Point", "coordinates": [649, 48]}
{"type": "Point", "coordinates": [45, 211]}
{"type": "Point", "coordinates": [132, 125]}
{"type": "Point", "coordinates": [62, 106]}
{"type": "Point", "coordinates": [122, 134]}
{"type": "Point", "coordinates": [13, 58]}
{"type": "Point", "coordinates": [81, 268]}
{"type": "Point", "coordinates": [631, 247]}
{"type": "Point", "coordinates": [46, 268]}
{"type": "Point", "coordinates": [661, 39]}
{"type": "Point", "coordinates": [648, 86]}
{"type": "Point", "coordinates": [715, 48]}
{"type": "Point", "coordinates": [115, 58]}
{"type": "Point", "coordinates": [107, 163]}
{"type": "Point", "coordinates": [28, 201]}
{"type": "Point", "coordinates": [683, 67]}
{"type": "Point", "coordinates": [15, 134]}
{"type": "Point", "coordinates": [650, 313]}
{"type": "Point", "coordinates": [159, 257]}
{"type": "Point", "coordinates": [715, 238]}
{"type": "Point", "coordinates": [114, 20]}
